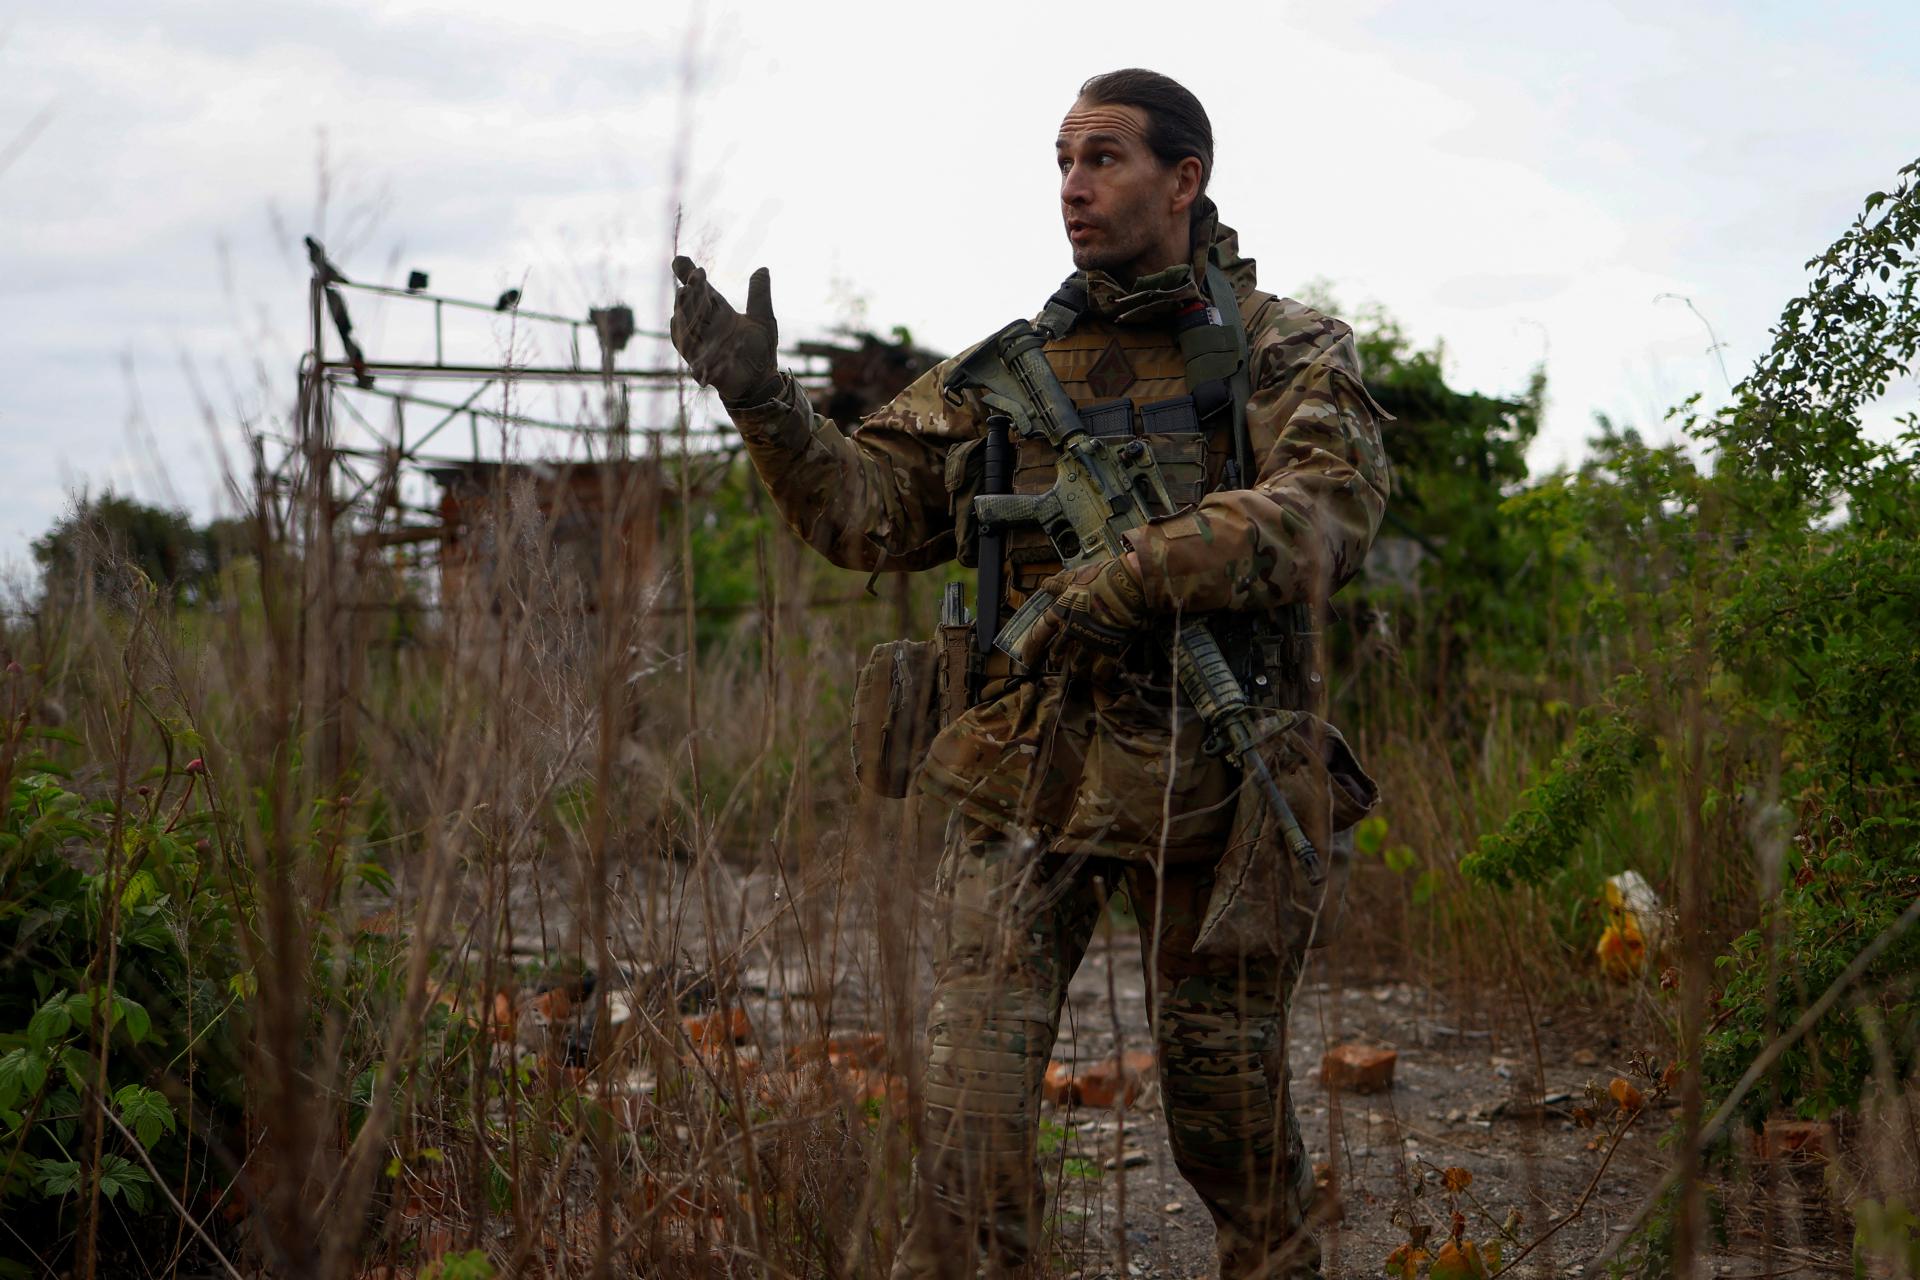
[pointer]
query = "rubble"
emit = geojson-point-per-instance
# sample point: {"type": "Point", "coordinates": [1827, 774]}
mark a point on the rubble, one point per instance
{"type": "Point", "coordinates": [1106, 1084]}
{"type": "Point", "coordinates": [707, 1031]}
{"type": "Point", "coordinates": [1786, 1137]}
{"type": "Point", "coordinates": [1358, 1068]}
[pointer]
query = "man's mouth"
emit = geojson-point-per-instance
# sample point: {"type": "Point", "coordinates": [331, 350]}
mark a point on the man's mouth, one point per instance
{"type": "Point", "coordinates": [1079, 230]}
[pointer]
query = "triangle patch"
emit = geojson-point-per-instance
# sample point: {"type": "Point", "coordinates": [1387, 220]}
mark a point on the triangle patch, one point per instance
{"type": "Point", "coordinates": [1111, 374]}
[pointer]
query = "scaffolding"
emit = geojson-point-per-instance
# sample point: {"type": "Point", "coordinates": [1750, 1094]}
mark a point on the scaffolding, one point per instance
{"type": "Point", "coordinates": [524, 393]}
{"type": "Point", "coordinates": [423, 417]}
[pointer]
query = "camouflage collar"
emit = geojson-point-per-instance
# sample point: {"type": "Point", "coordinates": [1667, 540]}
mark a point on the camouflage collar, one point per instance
{"type": "Point", "coordinates": [1152, 298]}
{"type": "Point", "coordinates": [1155, 297]}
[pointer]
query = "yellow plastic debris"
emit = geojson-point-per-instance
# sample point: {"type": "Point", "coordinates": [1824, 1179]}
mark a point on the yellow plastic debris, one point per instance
{"type": "Point", "coordinates": [1633, 925]}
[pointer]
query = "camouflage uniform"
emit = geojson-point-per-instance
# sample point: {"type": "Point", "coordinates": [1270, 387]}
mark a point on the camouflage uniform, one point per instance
{"type": "Point", "coordinates": [1062, 787]}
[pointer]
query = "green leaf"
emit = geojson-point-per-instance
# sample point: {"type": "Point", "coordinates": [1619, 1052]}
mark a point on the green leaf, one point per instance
{"type": "Point", "coordinates": [119, 1176]}
{"type": "Point", "coordinates": [1370, 834]}
{"type": "Point", "coordinates": [145, 1111]}
{"type": "Point", "coordinates": [63, 1109]}
{"type": "Point", "coordinates": [49, 1021]}
{"type": "Point", "coordinates": [38, 921]}
{"type": "Point", "coordinates": [57, 1177]}
{"type": "Point", "coordinates": [78, 1068]}
{"type": "Point", "coordinates": [376, 877]}
{"type": "Point", "coordinates": [141, 887]}
{"type": "Point", "coordinates": [471, 1265]}
{"type": "Point", "coordinates": [22, 1072]}
{"type": "Point", "coordinates": [134, 1017]}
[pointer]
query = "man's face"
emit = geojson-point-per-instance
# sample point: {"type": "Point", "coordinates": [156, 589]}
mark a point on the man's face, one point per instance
{"type": "Point", "coordinates": [1123, 209]}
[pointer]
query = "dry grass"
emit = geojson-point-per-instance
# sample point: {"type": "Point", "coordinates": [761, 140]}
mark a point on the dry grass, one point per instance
{"type": "Point", "coordinates": [417, 828]}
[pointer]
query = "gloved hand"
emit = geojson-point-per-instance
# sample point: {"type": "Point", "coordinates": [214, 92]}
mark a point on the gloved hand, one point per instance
{"type": "Point", "coordinates": [735, 354]}
{"type": "Point", "coordinates": [1097, 611]}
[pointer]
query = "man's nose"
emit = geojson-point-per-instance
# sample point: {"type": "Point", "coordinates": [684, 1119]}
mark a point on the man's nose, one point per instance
{"type": "Point", "coordinates": [1074, 187]}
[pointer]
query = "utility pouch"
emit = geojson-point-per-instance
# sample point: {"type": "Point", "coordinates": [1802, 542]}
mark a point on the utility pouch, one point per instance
{"type": "Point", "coordinates": [896, 712]}
{"type": "Point", "coordinates": [1261, 903]}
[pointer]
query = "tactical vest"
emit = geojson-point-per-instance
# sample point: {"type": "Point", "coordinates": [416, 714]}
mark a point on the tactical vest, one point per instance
{"type": "Point", "coordinates": [1136, 380]}
{"type": "Point", "coordinates": [1125, 380]}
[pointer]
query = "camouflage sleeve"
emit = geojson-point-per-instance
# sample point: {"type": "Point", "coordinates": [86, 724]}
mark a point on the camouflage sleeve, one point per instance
{"type": "Point", "coordinates": [873, 499]}
{"type": "Point", "coordinates": [1304, 527]}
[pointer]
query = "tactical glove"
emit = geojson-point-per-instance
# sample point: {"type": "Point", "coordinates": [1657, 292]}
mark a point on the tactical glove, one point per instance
{"type": "Point", "coordinates": [1097, 611]}
{"type": "Point", "coordinates": [735, 354]}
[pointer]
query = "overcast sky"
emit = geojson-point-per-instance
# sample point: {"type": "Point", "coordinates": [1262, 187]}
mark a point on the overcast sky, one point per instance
{"type": "Point", "coordinates": [1516, 180]}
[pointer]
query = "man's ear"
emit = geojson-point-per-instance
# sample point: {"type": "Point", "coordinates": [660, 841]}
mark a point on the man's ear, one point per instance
{"type": "Point", "coordinates": [1186, 183]}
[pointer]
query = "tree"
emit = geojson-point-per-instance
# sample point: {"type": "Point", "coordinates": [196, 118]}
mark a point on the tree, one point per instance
{"type": "Point", "coordinates": [113, 532]}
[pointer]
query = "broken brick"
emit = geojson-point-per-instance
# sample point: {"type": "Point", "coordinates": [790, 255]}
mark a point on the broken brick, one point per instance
{"type": "Point", "coordinates": [1325, 1205]}
{"type": "Point", "coordinates": [1799, 1139]}
{"type": "Point", "coordinates": [554, 1004]}
{"type": "Point", "coordinates": [1358, 1068]}
{"type": "Point", "coordinates": [879, 1086]}
{"type": "Point", "coordinates": [1114, 1082]}
{"type": "Point", "coordinates": [505, 1018]}
{"type": "Point", "coordinates": [865, 1048]}
{"type": "Point", "coordinates": [1057, 1086]}
{"type": "Point", "coordinates": [708, 1030]}
{"type": "Point", "coordinates": [381, 924]}
{"type": "Point", "coordinates": [822, 1084]}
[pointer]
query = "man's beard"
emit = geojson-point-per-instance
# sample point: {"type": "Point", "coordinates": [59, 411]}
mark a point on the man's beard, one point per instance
{"type": "Point", "coordinates": [1112, 254]}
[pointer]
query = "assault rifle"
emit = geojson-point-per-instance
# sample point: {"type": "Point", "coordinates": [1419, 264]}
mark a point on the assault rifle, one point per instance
{"type": "Point", "coordinates": [1101, 489]}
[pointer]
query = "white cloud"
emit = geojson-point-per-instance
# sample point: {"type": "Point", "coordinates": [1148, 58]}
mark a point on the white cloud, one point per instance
{"type": "Point", "coordinates": [1501, 176]}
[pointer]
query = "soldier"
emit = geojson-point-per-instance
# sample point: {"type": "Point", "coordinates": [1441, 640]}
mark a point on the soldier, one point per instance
{"type": "Point", "coordinates": [1075, 771]}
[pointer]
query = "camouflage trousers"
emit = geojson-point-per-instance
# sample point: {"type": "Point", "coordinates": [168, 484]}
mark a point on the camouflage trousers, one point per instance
{"type": "Point", "coordinates": [1017, 922]}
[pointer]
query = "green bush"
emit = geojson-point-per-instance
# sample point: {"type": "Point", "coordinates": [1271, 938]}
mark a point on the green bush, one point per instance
{"type": "Point", "coordinates": [114, 949]}
{"type": "Point", "coordinates": [1775, 665]}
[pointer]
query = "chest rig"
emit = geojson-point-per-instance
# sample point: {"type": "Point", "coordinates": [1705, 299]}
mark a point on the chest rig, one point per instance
{"type": "Point", "coordinates": [1180, 385]}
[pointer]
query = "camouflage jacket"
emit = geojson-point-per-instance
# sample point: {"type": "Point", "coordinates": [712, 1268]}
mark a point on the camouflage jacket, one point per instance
{"type": "Point", "coordinates": [1115, 771]}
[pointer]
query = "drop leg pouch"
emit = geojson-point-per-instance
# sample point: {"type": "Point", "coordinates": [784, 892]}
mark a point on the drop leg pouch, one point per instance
{"type": "Point", "coordinates": [1261, 903]}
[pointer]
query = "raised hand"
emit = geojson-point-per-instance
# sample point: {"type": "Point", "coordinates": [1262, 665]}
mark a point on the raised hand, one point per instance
{"type": "Point", "coordinates": [734, 353]}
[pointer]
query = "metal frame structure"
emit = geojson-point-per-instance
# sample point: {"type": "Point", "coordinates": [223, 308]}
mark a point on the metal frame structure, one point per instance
{"type": "Point", "coordinates": [356, 470]}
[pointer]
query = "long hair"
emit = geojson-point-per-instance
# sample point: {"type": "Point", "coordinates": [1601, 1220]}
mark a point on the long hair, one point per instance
{"type": "Point", "coordinates": [1177, 125]}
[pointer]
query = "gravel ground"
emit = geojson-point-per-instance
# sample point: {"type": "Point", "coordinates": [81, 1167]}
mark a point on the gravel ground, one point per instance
{"type": "Point", "coordinates": [1459, 1099]}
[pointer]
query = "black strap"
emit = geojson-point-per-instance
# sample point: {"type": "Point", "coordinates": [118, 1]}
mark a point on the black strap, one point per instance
{"type": "Point", "coordinates": [1063, 309]}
